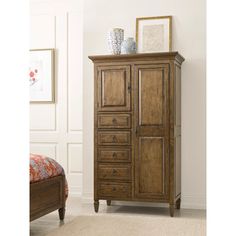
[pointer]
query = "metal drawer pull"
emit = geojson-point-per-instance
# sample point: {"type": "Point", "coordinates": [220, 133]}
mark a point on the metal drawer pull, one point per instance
{"type": "Point", "coordinates": [114, 121]}
{"type": "Point", "coordinates": [114, 155]}
{"type": "Point", "coordinates": [114, 139]}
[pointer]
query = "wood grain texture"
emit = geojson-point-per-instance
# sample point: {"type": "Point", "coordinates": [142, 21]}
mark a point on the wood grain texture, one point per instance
{"type": "Point", "coordinates": [114, 121]}
{"type": "Point", "coordinates": [114, 172]}
{"type": "Point", "coordinates": [114, 88]}
{"type": "Point", "coordinates": [114, 190]}
{"type": "Point", "coordinates": [151, 57]}
{"type": "Point", "coordinates": [151, 96]}
{"type": "Point", "coordinates": [151, 139]}
{"type": "Point", "coordinates": [113, 154]}
{"type": "Point", "coordinates": [47, 196]}
{"type": "Point", "coordinates": [137, 111]}
{"type": "Point", "coordinates": [114, 138]}
{"type": "Point", "coordinates": [151, 166]}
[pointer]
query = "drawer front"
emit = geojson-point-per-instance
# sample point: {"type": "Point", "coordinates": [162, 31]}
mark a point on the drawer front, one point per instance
{"type": "Point", "coordinates": [114, 172]}
{"type": "Point", "coordinates": [119, 190]}
{"type": "Point", "coordinates": [114, 121]}
{"type": "Point", "coordinates": [114, 155]}
{"type": "Point", "coordinates": [114, 138]}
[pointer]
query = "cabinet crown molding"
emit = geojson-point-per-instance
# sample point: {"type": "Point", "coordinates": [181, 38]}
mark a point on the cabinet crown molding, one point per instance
{"type": "Point", "coordinates": [138, 57]}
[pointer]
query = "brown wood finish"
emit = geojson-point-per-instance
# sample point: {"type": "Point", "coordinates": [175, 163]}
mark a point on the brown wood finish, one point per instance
{"type": "Point", "coordinates": [114, 154]}
{"type": "Point", "coordinates": [114, 190]}
{"type": "Point", "coordinates": [114, 121]}
{"type": "Point", "coordinates": [151, 122]}
{"type": "Point", "coordinates": [150, 86]}
{"type": "Point", "coordinates": [137, 128]}
{"type": "Point", "coordinates": [114, 88]}
{"type": "Point", "coordinates": [47, 196]}
{"type": "Point", "coordinates": [150, 181]}
{"type": "Point", "coordinates": [114, 172]}
{"type": "Point", "coordinates": [114, 138]}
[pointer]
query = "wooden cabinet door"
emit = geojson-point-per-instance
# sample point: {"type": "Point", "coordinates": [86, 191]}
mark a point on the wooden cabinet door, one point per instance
{"type": "Point", "coordinates": [151, 131]}
{"type": "Point", "coordinates": [114, 88]}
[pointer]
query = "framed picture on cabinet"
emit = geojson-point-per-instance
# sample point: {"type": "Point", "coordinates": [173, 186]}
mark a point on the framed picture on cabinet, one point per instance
{"type": "Point", "coordinates": [42, 76]}
{"type": "Point", "coordinates": [154, 34]}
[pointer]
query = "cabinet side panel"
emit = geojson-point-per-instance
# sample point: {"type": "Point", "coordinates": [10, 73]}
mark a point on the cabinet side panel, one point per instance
{"type": "Point", "coordinates": [177, 130]}
{"type": "Point", "coordinates": [178, 165]}
{"type": "Point", "coordinates": [177, 96]}
{"type": "Point", "coordinates": [95, 130]}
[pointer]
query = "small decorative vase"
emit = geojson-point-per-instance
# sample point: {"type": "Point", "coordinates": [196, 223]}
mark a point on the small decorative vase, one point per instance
{"type": "Point", "coordinates": [115, 38]}
{"type": "Point", "coordinates": [128, 46]}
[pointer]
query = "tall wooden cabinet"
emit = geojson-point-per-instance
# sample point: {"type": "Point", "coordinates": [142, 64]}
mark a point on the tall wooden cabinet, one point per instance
{"type": "Point", "coordinates": [137, 128]}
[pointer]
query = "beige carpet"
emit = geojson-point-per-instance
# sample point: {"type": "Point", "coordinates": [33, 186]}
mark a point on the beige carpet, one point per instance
{"type": "Point", "coordinates": [110, 225]}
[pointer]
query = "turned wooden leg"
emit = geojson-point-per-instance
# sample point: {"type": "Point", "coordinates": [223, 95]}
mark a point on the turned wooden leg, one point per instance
{"type": "Point", "coordinates": [108, 202]}
{"type": "Point", "coordinates": [177, 204]}
{"type": "Point", "coordinates": [172, 210]}
{"type": "Point", "coordinates": [96, 205]}
{"type": "Point", "coordinates": [61, 212]}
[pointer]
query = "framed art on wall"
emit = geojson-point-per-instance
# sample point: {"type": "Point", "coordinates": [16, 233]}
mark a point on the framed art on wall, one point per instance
{"type": "Point", "coordinates": [41, 76]}
{"type": "Point", "coordinates": [154, 34]}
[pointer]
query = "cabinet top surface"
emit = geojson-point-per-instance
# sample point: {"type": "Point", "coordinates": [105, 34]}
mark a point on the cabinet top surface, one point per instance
{"type": "Point", "coordinates": [138, 56]}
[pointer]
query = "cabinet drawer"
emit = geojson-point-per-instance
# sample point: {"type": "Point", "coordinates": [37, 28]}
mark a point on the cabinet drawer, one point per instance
{"type": "Point", "coordinates": [122, 190]}
{"type": "Point", "coordinates": [114, 172]}
{"type": "Point", "coordinates": [114, 138]}
{"type": "Point", "coordinates": [114, 121]}
{"type": "Point", "coordinates": [114, 155]}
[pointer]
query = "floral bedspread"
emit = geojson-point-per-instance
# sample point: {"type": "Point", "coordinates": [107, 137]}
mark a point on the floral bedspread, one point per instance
{"type": "Point", "coordinates": [42, 167]}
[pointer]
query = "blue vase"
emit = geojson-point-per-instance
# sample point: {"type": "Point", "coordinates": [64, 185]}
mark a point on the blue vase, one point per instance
{"type": "Point", "coordinates": [128, 46]}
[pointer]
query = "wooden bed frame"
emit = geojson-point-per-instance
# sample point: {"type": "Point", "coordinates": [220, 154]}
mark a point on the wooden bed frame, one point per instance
{"type": "Point", "coordinates": [47, 196]}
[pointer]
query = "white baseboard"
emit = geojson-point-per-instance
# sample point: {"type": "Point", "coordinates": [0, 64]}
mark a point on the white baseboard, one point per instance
{"type": "Point", "coordinates": [193, 201]}
{"type": "Point", "coordinates": [87, 198]}
{"type": "Point", "coordinates": [75, 191]}
{"type": "Point", "coordinates": [187, 202]}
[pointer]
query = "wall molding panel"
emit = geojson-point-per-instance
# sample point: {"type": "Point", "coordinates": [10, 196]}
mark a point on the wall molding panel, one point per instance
{"type": "Point", "coordinates": [47, 149]}
{"type": "Point", "coordinates": [56, 129]}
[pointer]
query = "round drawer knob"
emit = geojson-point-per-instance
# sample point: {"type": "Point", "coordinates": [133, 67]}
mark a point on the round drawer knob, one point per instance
{"type": "Point", "coordinates": [114, 121]}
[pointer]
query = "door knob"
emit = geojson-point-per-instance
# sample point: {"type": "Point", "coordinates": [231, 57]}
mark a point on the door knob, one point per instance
{"type": "Point", "coordinates": [129, 87]}
{"type": "Point", "coordinates": [136, 130]}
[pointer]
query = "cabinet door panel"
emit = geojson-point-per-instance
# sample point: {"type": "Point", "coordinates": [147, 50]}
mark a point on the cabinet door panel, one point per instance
{"type": "Point", "coordinates": [152, 135]}
{"type": "Point", "coordinates": [114, 88]}
{"type": "Point", "coordinates": [151, 97]}
{"type": "Point", "coordinates": [151, 160]}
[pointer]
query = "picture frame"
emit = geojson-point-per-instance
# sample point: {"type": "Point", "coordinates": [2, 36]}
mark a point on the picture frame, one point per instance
{"type": "Point", "coordinates": [154, 34]}
{"type": "Point", "coordinates": [42, 75]}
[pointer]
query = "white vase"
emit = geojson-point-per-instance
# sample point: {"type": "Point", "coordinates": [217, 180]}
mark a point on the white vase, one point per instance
{"type": "Point", "coordinates": [115, 38]}
{"type": "Point", "coordinates": [128, 46]}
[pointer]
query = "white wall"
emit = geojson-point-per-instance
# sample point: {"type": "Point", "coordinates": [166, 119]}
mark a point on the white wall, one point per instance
{"type": "Point", "coordinates": [56, 129]}
{"type": "Point", "coordinates": [189, 39]}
